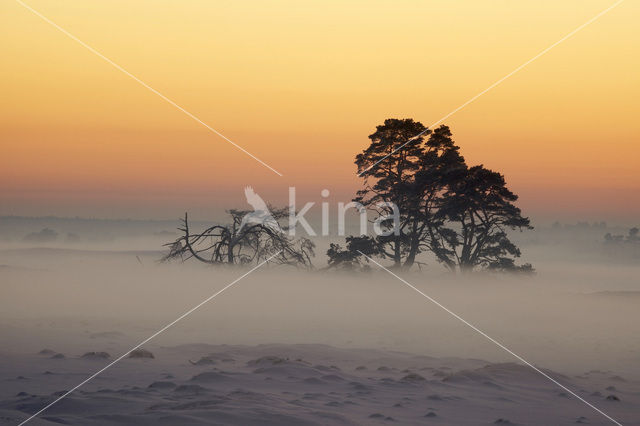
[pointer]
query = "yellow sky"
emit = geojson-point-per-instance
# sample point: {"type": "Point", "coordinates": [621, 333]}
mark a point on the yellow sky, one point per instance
{"type": "Point", "coordinates": [301, 85]}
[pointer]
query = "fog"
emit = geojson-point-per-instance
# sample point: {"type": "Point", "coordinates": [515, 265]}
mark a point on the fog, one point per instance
{"type": "Point", "coordinates": [578, 313]}
{"type": "Point", "coordinates": [289, 346]}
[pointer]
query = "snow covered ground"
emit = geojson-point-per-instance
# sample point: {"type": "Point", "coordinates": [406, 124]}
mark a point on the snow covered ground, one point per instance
{"type": "Point", "coordinates": [285, 347]}
{"type": "Point", "coordinates": [312, 384]}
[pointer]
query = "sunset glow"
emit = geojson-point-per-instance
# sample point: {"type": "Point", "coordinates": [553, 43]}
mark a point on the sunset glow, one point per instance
{"type": "Point", "coordinates": [301, 86]}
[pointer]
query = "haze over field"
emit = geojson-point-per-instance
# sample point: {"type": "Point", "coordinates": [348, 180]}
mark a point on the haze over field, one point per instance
{"type": "Point", "coordinates": [577, 317]}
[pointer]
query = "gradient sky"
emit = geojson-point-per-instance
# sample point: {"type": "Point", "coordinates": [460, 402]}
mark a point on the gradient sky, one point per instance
{"type": "Point", "coordinates": [301, 85]}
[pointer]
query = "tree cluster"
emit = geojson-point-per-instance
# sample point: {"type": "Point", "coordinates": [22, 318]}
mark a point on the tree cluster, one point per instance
{"type": "Point", "coordinates": [623, 247]}
{"type": "Point", "coordinates": [632, 237]}
{"type": "Point", "coordinates": [460, 214]}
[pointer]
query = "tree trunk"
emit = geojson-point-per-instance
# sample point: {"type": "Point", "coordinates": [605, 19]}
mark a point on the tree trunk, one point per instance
{"type": "Point", "coordinates": [230, 258]}
{"type": "Point", "coordinates": [397, 260]}
{"type": "Point", "coordinates": [466, 267]}
{"type": "Point", "coordinates": [415, 244]}
{"type": "Point", "coordinates": [413, 252]}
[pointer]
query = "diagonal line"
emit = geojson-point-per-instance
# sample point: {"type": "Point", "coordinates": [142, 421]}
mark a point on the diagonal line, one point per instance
{"type": "Point", "coordinates": [458, 317]}
{"type": "Point", "coordinates": [590, 21]}
{"type": "Point", "coordinates": [147, 339]}
{"type": "Point", "coordinates": [94, 51]}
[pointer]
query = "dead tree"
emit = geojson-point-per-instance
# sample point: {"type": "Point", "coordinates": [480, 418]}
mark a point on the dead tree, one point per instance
{"type": "Point", "coordinates": [240, 243]}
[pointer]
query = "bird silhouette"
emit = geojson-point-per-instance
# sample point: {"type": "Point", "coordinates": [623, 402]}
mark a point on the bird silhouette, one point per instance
{"type": "Point", "coordinates": [255, 200]}
{"type": "Point", "coordinates": [260, 214]}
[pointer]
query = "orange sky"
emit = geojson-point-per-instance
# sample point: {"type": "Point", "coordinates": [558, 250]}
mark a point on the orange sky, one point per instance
{"type": "Point", "coordinates": [301, 85]}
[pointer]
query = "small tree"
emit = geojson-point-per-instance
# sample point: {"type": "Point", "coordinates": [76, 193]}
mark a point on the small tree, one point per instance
{"type": "Point", "coordinates": [236, 243]}
{"type": "Point", "coordinates": [623, 247]}
{"type": "Point", "coordinates": [479, 210]}
{"type": "Point", "coordinates": [355, 255]}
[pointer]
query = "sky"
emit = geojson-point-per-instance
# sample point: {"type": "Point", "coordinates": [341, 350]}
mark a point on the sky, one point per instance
{"type": "Point", "coordinates": [301, 85]}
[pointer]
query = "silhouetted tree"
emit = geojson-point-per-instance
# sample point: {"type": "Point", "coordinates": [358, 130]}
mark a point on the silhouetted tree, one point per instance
{"type": "Point", "coordinates": [441, 165]}
{"type": "Point", "coordinates": [354, 256]}
{"type": "Point", "coordinates": [479, 211]}
{"type": "Point", "coordinates": [611, 239]}
{"type": "Point", "coordinates": [631, 237]}
{"type": "Point", "coordinates": [402, 169]}
{"type": "Point", "coordinates": [388, 169]}
{"type": "Point", "coordinates": [45, 235]}
{"type": "Point", "coordinates": [236, 244]}
{"type": "Point", "coordinates": [460, 214]}
{"type": "Point", "coordinates": [623, 247]}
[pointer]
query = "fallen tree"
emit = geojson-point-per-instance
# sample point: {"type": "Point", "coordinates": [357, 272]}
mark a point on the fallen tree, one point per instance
{"type": "Point", "coordinates": [242, 243]}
